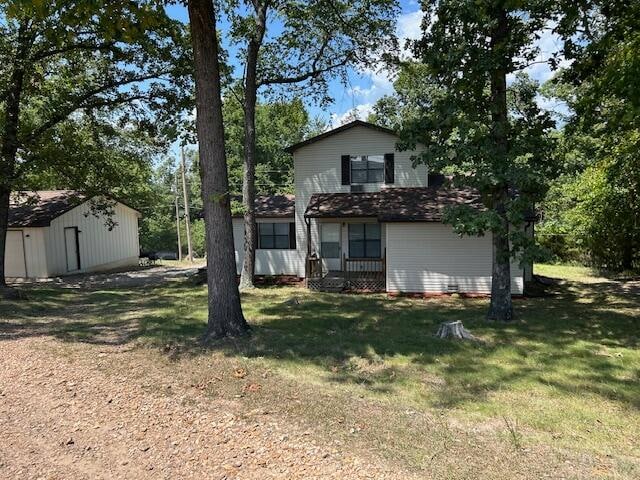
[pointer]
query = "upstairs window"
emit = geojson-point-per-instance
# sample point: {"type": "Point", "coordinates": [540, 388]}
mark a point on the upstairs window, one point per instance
{"type": "Point", "coordinates": [367, 168]}
{"type": "Point", "coordinates": [278, 236]}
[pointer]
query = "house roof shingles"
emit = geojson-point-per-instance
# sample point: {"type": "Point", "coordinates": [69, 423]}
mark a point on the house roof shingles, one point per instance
{"type": "Point", "coordinates": [275, 206]}
{"type": "Point", "coordinates": [426, 204]}
{"type": "Point", "coordinates": [39, 208]}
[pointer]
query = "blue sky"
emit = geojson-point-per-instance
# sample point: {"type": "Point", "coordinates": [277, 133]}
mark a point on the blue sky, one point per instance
{"type": "Point", "coordinates": [363, 88]}
{"type": "Point", "coordinates": [366, 87]}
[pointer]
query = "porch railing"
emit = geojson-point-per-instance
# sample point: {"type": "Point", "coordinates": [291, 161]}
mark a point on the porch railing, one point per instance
{"type": "Point", "coordinates": [368, 274]}
{"type": "Point", "coordinates": [358, 274]}
{"type": "Point", "coordinates": [313, 267]}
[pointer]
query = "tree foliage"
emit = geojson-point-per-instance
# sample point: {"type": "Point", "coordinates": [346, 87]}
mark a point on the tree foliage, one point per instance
{"type": "Point", "coordinates": [64, 64]}
{"type": "Point", "coordinates": [279, 124]}
{"type": "Point", "coordinates": [594, 214]}
{"type": "Point", "coordinates": [453, 100]}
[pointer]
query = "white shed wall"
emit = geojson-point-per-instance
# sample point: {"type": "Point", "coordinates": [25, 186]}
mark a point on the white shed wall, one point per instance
{"type": "Point", "coordinates": [35, 252]}
{"type": "Point", "coordinates": [427, 257]}
{"type": "Point", "coordinates": [100, 249]}
{"type": "Point", "coordinates": [32, 254]}
{"type": "Point", "coordinates": [268, 262]}
{"type": "Point", "coordinates": [317, 169]}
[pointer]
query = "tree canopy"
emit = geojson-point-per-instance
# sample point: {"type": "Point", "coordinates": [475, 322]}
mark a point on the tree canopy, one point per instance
{"type": "Point", "coordinates": [102, 64]}
{"type": "Point", "coordinates": [592, 214]}
{"type": "Point", "coordinates": [453, 99]}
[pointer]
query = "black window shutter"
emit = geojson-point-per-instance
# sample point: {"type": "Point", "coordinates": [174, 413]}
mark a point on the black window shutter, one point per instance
{"type": "Point", "coordinates": [346, 170]}
{"type": "Point", "coordinates": [389, 169]}
{"type": "Point", "coordinates": [292, 235]}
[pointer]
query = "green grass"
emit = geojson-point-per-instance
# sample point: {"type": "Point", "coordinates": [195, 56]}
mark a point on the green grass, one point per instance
{"type": "Point", "coordinates": [563, 381]}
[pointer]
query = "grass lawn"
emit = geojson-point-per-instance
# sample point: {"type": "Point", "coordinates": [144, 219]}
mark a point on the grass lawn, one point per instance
{"type": "Point", "coordinates": [557, 392]}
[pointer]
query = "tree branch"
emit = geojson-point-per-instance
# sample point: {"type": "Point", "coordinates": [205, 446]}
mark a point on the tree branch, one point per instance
{"type": "Point", "coordinates": [312, 73]}
{"type": "Point", "coordinates": [77, 46]}
{"type": "Point", "coordinates": [93, 105]}
{"type": "Point", "coordinates": [79, 102]}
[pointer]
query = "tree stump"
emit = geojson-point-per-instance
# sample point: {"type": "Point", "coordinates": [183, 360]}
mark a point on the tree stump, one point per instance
{"type": "Point", "coordinates": [454, 330]}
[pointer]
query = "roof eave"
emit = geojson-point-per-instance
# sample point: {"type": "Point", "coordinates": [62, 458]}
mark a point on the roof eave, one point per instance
{"type": "Point", "coordinates": [337, 130]}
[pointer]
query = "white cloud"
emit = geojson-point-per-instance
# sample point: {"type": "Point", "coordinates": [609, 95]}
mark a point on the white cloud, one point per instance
{"type": "Point", "coordinates": [548, 44]}
{"type": "Point", "coordinates": [359, 112]}
{"type": "Point", "coordinates": [409, 27]}
{"type": "Point", "coordinates": [381, 79]}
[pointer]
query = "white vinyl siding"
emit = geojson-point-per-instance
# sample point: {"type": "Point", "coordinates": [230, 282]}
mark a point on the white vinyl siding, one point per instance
{"type": "Point", "coordinates": [431, 258]}
{"type": "Point", "coordinates": [100, 248]}
{"type": "Point", "coordinates": [25, 253]}
{"type": "Point", "coordinates": [268, 262]}
{"type": "Point", "coordinates": [317, 169]}
{"type": "Point", "coordinates": [14, 255]}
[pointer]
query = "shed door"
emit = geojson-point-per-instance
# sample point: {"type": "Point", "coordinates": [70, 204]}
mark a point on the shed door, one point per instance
{"type": "Point", "coordinates": [72, 249]}
{"type": "Point", "coordinates": [14, 260]}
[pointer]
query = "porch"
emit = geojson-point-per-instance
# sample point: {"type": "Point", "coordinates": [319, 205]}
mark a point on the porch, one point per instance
{"type": "Point", "coordinates": [356, 275]}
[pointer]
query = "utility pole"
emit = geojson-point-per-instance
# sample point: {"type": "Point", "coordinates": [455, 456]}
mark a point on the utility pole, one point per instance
{"type": "Point", "coordinates": [187, 219]}
{"type": "Point", "coordinates": [178, 220]}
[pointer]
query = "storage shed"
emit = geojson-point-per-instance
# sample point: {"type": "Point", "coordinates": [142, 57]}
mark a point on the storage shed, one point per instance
{"type": "Point", "coordinates": [57, 232]}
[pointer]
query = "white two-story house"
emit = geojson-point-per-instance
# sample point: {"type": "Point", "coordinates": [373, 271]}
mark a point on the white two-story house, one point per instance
{"type": "Point", "coordinates": [363, 218]}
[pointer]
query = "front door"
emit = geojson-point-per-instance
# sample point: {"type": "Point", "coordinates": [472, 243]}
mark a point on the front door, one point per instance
{"type": "Point", "coordinates": [330, 250]}
{"type": "Point", "coordinates": [71, 246]}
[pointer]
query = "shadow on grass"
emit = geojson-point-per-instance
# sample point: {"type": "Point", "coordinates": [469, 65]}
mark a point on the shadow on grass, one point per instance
{"type": "Point", "coordinates": [372, 341]}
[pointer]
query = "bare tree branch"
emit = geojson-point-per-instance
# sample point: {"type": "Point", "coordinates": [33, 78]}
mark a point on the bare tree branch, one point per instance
{"type": "Point", "coordinates": [312, 73]}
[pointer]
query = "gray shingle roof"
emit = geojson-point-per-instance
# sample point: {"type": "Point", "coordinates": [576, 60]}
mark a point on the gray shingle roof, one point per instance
{"type": "Point", "coordinates": [393, 204]}
{"type": "Point", "coordinates": [39, 208]}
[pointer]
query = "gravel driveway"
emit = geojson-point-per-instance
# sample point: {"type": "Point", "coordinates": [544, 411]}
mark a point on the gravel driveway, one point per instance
{"type": "Point", "coordinates": [138, 277]}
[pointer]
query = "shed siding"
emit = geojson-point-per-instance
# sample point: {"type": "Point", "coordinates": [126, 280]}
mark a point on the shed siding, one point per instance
{"type": "Point", "coordinates": [100, 249]}
{"type": "Point", "coordinates": [32, 259]}
{"type": "Point", "coordinates": [268, 262]}
{"type": "Point", "coordinates": [317, 169]}
{"type": "Point", "coordinates": [35, 252]}
{"type": "Point", "coordinates": [428, 257]}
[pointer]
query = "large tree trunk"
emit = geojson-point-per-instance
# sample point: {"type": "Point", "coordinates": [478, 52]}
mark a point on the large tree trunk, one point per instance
{"type": "Point", "coordinates": [9, 138]}
{"type": "Point", "coordinates": [4, 219]}
{"type": "Point", "coordinates": [249, 174]}
{"type": "Point", "coordinates": [225, 311]}
{"type": "Point", "coordinates": [500, 308]}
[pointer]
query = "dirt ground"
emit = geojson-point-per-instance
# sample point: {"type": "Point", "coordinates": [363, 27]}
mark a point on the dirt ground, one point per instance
{"type": "Point", "coordinates": [69, 412]}
{"type": "Point", "coordinates": [136, 277]}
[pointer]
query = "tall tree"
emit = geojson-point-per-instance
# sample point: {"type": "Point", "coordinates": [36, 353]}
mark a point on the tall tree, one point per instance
{"type": "Point", "coordinates": [474, 128]}
{"type": "Point", "coordinates": [225, 311]}
{"type": "Point", "coordinates": [60, 61]}
{"type": "Point", "coordinates": [315, 41]}
{"type": "Point", "coordinates": [278, 125]}
{"type": "Point", "coordinates": [592, 214]}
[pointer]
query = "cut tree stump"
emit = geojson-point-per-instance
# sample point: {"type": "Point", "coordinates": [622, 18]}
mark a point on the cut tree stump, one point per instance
{"type": "Point", "coordinates": [455, 330]}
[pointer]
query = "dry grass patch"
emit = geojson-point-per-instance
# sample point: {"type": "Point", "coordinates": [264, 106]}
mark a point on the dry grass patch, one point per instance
{"type": "Point", "coordinates": [556, 393]}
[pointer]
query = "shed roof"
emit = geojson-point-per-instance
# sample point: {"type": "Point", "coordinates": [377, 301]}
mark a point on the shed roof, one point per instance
{"type": "Point", "coordinates": [38, 208]}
